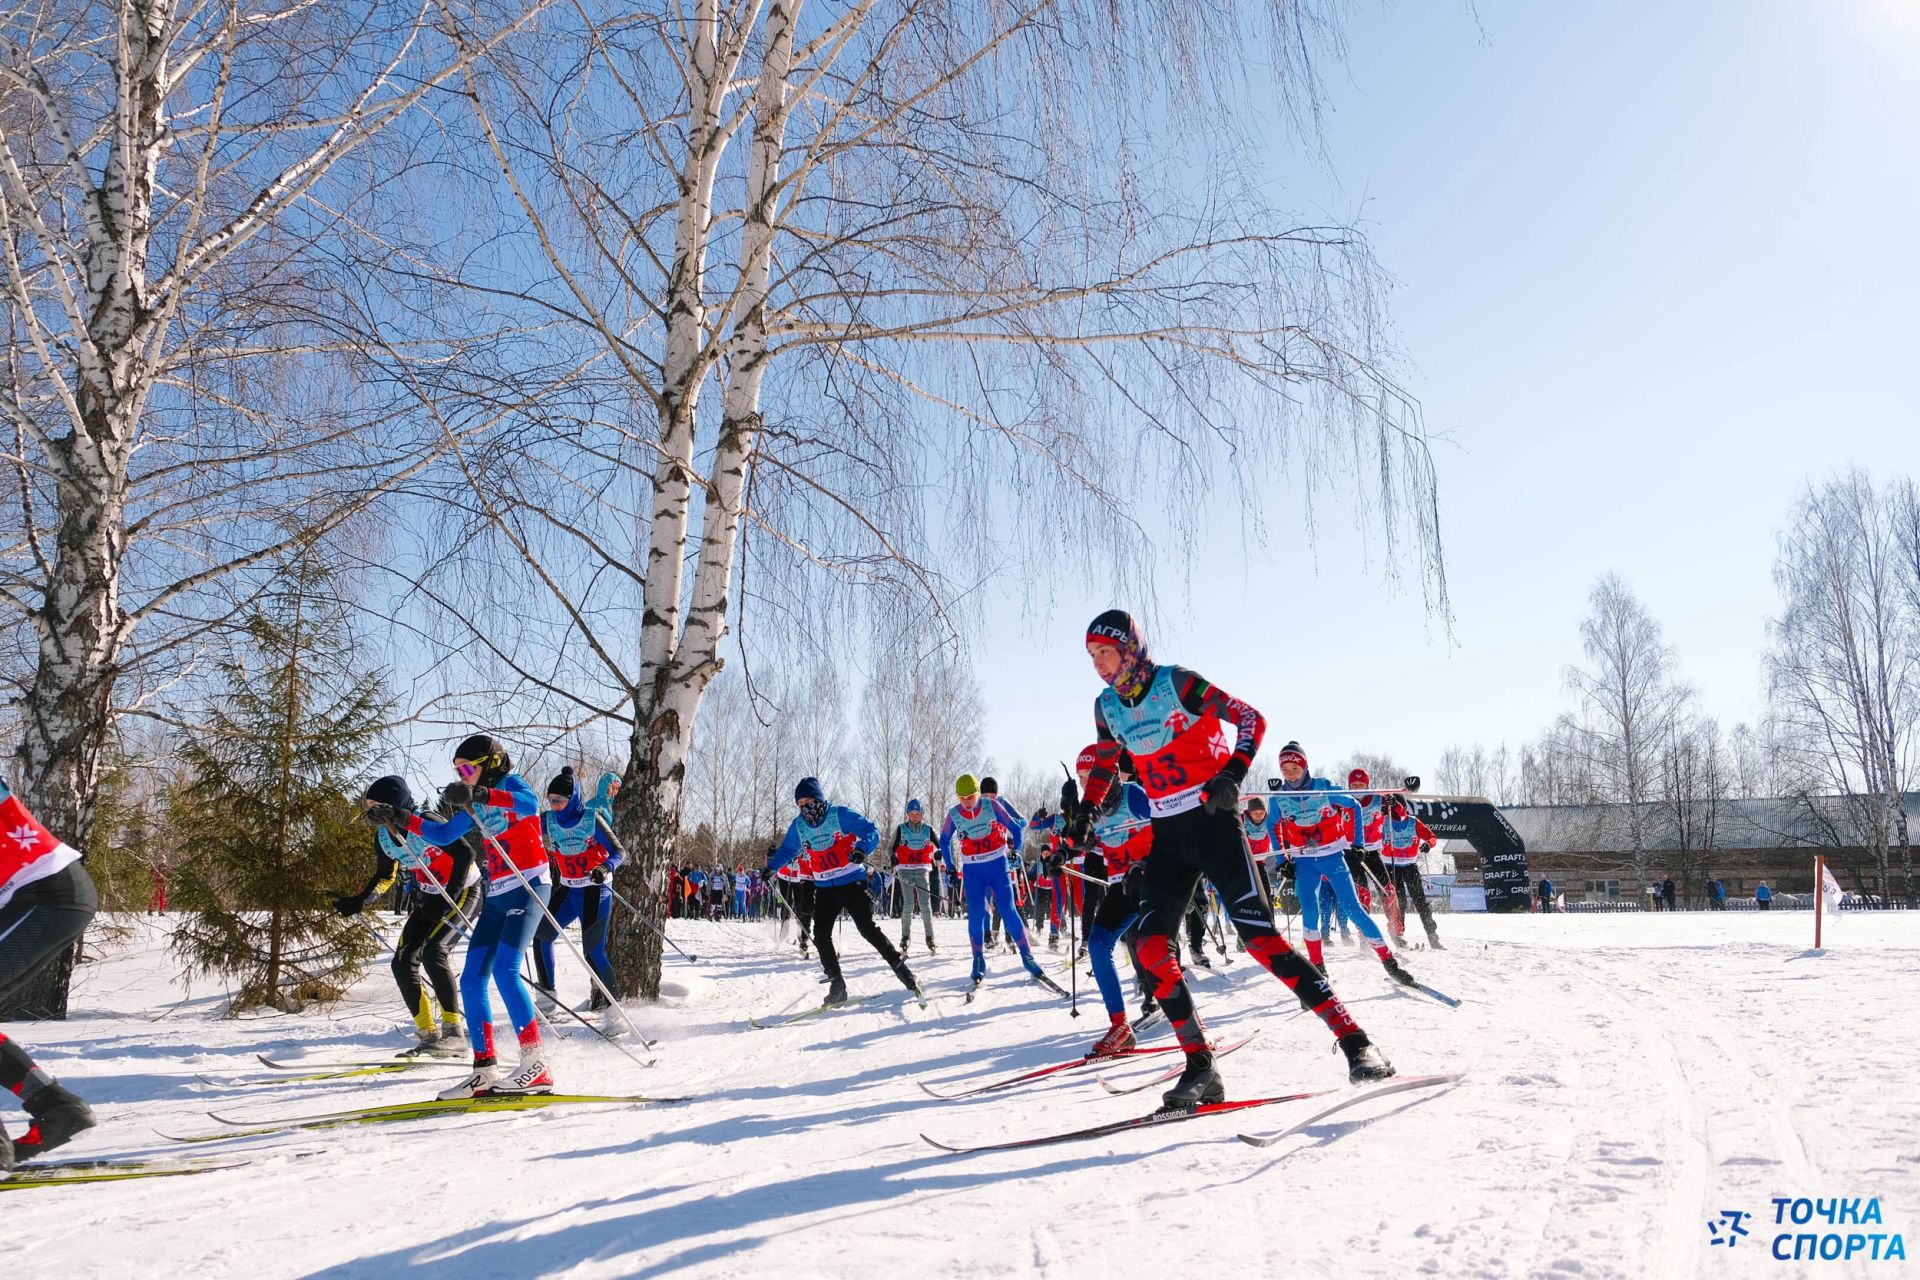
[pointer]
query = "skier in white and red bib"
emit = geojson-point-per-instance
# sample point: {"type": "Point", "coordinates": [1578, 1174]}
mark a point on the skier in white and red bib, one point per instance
{"type": "Point", "coordinates": [1173, 725]}
{"type": "Point", "coordinates": [46, 900]}
{"type": "Point", "coordinates": [1406, 839]}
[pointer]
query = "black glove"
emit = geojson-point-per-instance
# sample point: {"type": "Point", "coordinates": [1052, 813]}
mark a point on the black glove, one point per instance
{"type": "Point", "coordinates": [349, 904]}
{"type": "Point", "coordinates": [385, 815]}
{"type": "Point", "coordinates": [1135, 880]}
{"type": "Point", "coordinates": [1056, 862]}
{"type": "Point", "coordinates": [1222, 793]}
{"type": "Point", "coordinates": [1079, 829]}
{"type": "Point", "coordinates": [858, 855]}
{"type": "Point", "coordinates": [1069, 796]}
{"type": "Point", "coordinates": [456, 795]}
{"type": "Point", "coordinates": [598, 875]}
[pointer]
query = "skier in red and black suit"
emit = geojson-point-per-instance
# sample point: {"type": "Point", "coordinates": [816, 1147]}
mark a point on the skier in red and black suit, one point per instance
{"type": "Point", "coordinates": [46, 900]}
{"type": "Point", "coordinates": [1170, 721]}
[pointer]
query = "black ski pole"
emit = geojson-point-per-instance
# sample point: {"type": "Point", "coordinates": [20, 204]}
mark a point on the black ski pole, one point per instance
{"type": "Point", "coordinates": [641, 916]}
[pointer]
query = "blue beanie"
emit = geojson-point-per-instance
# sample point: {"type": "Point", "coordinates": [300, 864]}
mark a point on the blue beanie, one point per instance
{"type": "Point", "coordinates": [809, 789]}
{"type": "Point", "coordinates": [913, 806]}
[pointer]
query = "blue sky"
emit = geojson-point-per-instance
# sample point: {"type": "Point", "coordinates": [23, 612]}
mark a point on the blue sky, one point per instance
{"type": "Point", "coordinates": [1657, 269]}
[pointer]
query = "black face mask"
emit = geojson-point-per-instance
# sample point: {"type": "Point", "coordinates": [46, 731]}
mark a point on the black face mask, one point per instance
{"type": "Point", "coordinates": [813, 811]}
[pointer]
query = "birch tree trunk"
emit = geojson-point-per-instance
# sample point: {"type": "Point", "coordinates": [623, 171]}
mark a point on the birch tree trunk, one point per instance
{"type": "Point", "coordinates": [145, 178]}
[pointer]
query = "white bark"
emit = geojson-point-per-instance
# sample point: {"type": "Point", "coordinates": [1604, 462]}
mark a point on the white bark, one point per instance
{"type": "Point", "coordinates": [132, 190]}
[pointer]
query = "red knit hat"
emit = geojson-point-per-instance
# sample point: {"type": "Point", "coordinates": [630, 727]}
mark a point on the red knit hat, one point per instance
{"type": "Point", "coordinates": [1293, 752]}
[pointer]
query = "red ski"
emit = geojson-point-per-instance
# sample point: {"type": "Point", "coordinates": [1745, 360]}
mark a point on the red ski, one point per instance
{"type": "Point", "coordinates": [1166, 1115]}
{"type": "Point", "coordinates": [1171, 1072]}
{"type": "Point", "coordinates": [1041, 1073]}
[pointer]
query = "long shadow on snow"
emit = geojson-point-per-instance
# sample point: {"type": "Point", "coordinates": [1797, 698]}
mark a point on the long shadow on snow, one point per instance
{"type": "Point", "coordinates": [480, 1251]}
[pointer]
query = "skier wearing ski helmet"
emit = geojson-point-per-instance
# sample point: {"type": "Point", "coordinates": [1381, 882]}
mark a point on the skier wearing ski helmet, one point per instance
{"type": "Point", "coordinates": [434, 919]}
{"type": "Point", "coordinates": [488, 791]}
{"type": "Point", "coordinates": [838, 839]}
{"type": "Point", "coordinates": [1173, 723]}
{"type": "Point", "coordinates": [46, 900]}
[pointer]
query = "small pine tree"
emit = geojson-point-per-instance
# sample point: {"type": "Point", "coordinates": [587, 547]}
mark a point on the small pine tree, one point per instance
{"type": "Point", "coordinates": [266, 816]}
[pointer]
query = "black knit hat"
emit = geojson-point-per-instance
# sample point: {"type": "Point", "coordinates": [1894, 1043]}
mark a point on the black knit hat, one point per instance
{"type": "Point", "coordinates": [392, 790]}
{"type": "Point", "coordinates": [989, 786]}
{"type": "Point", "coordinates": [562, 784]}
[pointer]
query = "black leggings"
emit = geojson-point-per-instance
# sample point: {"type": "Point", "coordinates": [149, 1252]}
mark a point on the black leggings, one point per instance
{"type": "Point", "coordinates": [42, 920]}
{"type": "Point", "coordinates": [38, 927]}
{"type": "Point", "coordinates": [1187, 846]}
{"type": "Point", "coordinates": [829, 900]}
{"type": "Point", "coordinates": [426, 939]}
{"type": "Point", "coordinates": [1406, 882]}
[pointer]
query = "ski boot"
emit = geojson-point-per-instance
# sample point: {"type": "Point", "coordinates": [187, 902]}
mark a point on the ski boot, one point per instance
{"type": "Point", "coordinates": [57, 1114]}
{"type": "Point", "coordinates": [1364, 1063]}
{"type": "Point", "coordinates": [1399, 941]}
{"type": "Point", "coordinates": [1033, 967]}
{"type": "Point", "coordinates": [531, 1076]}
{"type": "Point", "coordinates": [904, 948]}
{"type": "Point", "coordinates": [1398, 972]}
{"type": "Point", "coordinates": [836, 992]}
{"type": "Point", "coordinates": [1198, 1084]}
{"type": "Point", "coordinates": [905, 975]}
{"type": "Point", "coordinates": [485, 1075]}
{"type": "Point", "coordinates": [931, 949]}
{"type": "Point", "coordinates": [1433, 941]}
{"type": "Point", "coordinates": [1118, 1040]}
{"type": "Point", "coordinates": [597, 1001]}
{"type": "Point", "coordinates": [544, 1000]}
{"type": "Point", "coordinates": [1053, 942]}
{"type": "Point", "coordinates": [6, 1150]}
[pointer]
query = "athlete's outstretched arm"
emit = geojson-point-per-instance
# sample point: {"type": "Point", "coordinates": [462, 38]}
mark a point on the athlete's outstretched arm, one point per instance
{"type": "Point", "coordinates": [865, 834]}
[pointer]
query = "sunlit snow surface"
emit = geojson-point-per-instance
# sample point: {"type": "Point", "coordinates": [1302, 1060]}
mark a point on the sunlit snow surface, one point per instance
{"type": "Point", "coordinates": [1630, 1078]}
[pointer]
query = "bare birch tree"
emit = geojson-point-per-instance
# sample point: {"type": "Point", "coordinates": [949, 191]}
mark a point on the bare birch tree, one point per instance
{"type": "Point", "coordinates": [926, 253]}
{"type": "Point", "coordinates": [176, 182]}
{"type": "Point", "coordinates": [1845, 658]}
{"type": "Point", "coordinates": [163, 169]}
{"type": "Point", "coordinates": [1631, 701]}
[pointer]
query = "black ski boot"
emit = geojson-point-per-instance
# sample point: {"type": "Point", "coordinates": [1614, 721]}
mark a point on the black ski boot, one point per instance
{"type": "Point", "coordinates": [1398, 972]}
{"type": "Point", "coordinates": [906, 977]}
{"type": "Point", "coordinates": [57, 1115]}
{"type": "Point", "coordinates": [1364, 1063]}
{"type": "Point", "coordinates": [1433, 941]}
{"type": "Point", "coordinates": [836, 993]}
{"type": "Point", "coordinates": [1200, 958]}
{"type": "Point", "coordinates": [1197, 1084]}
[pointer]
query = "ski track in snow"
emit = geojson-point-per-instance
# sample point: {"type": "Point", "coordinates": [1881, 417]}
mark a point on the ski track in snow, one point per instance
{"type": "Point", "coordinates": [1629, 1076]}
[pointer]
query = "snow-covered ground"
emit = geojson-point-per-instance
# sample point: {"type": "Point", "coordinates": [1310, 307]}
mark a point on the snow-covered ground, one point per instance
{"type": "Point", "coordinates": [1629, 1078]}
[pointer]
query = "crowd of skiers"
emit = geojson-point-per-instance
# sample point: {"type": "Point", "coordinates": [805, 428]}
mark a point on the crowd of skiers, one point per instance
{"type": "Point", "coordinates": [1150, 842]}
